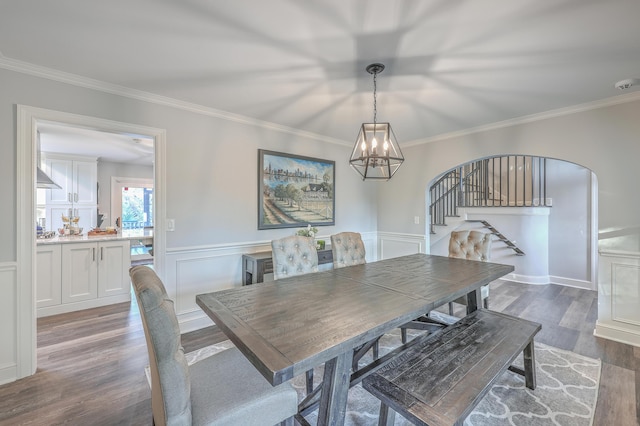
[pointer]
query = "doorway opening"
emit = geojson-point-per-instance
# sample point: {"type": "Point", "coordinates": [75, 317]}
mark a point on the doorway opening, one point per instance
{"type": "Point", "coordinates": [132, 208]}
{"type": "Point", "coordinates": [29, 119]}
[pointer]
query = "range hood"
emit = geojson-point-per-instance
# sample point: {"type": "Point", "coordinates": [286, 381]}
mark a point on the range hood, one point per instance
{"type": "Point", "coordinates": [44, 181]}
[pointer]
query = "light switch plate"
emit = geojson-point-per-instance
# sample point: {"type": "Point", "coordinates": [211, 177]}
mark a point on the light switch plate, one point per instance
{"type": "Point", "coordinates": [171, 225]}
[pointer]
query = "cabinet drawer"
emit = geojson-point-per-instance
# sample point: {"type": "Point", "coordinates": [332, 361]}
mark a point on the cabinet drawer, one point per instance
{"type": "Point", "coordinates": [268, 266]}
{"type": "Point", "coordinates": [325, 256]}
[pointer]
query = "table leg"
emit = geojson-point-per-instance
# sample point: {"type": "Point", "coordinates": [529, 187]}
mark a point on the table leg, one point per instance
{"type": "Point", "coordinates": [335, 388]}
{"type": "Point", "coordinates": [474, 299]}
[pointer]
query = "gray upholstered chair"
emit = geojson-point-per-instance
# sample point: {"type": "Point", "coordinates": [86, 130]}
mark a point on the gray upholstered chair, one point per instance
{"type": "Point", "coordinates": [224, 389]}
{"type": "Point", "coordinates": [294, 255]}
{"type": "Point", "coordinates": [471, 245]}
{"type": "Point", "coordinates": [347, 249]}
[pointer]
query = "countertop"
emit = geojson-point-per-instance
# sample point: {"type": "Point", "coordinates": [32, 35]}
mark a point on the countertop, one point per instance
{"type": "Point", "coordinates": [127, 234]}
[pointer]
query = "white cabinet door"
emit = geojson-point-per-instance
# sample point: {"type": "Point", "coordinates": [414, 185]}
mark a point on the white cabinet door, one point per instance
{"type": "Point", "coordinates": [113, 271]}
{"type": "Point", "coordinates": [61, 172]}
{"type": "Point", "coordinates": [48, 275]}
{"type": "Point", "coordinates": [85, 182]}
{"type": "Point", "coordinates": [79, 272]}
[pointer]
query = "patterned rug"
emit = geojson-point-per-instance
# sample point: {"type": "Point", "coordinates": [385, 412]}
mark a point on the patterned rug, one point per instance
{"type": "Point", "coordinates": [566, 392]}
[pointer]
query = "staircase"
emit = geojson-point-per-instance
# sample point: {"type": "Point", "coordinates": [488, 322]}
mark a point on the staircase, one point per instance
{"type": "Point", "coordinates": [500, 237]}
{"type": "Point", "coordinates": [503, 181]}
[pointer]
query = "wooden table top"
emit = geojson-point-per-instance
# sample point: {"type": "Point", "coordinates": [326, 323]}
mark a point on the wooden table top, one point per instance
{"type": "Point", "coordinates": [288, 326]}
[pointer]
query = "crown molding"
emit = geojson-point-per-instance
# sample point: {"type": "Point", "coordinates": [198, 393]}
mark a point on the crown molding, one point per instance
{"type": "Point", "coordinates": [114, 89]}
{"type": "Point", "coordinates": [589, 106]}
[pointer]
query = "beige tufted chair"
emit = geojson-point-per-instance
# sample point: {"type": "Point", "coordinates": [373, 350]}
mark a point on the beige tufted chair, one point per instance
{"type": "Point", "coordinates": [295, 255]}
{"type": "Point", "coordinates": [471, 245]}
{"type": "Point", "coordinates": [347, 249]}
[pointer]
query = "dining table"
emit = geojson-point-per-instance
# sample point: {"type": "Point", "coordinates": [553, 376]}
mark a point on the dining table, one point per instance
{"type": "Point", "coordinates": [291, 325]}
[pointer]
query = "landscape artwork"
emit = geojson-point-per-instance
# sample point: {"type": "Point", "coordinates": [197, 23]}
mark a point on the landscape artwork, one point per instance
{"type": "Point", "coordinates": [294, 191]}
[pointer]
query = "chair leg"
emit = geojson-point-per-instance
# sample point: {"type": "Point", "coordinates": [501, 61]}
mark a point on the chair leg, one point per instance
{"type": "Point", "coordinates": [287, 422]}
{"type": "Point", "coordinates": [376, 349]}
{"type": "Point", "coordinates": [309, 375]}
{"type": "Point", "coordinates": [403, 334]}
{"type": "Point", "coordinates": [486, 303]}
{"type": "Point", "coordinates": [451, 308]}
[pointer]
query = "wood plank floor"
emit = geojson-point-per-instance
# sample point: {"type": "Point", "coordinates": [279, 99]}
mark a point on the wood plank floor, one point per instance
{"type": "Point", "coordinates": [91, 363]}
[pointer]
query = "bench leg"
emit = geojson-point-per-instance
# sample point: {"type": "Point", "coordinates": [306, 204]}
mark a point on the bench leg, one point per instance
{"type": "Point", "coordinates": [309, 381]}
{"type": "Point", "coordinates": [387, 415]}
{"type": "Point", "coordinates": [529, 366]}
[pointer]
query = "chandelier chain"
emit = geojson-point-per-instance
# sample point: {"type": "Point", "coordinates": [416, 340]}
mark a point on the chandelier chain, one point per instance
{"type": "Point", "coordinates": [375, 99]}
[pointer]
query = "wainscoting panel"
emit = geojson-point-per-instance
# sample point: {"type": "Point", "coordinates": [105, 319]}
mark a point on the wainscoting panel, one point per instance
{"type": "Point", "coordinates": [619, 297]}
{"type": "Point", "coordinates": [194, 270]}
{"type": "Point", "coordinates": [394, 244]}
{"type": "Point", "coordinates": [8, 322]}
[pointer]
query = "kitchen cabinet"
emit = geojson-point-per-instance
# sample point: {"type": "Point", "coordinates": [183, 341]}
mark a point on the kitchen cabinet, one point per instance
{"type": "Point", "coordinates": [49, 275]}
{"type": "Point", "coordinates": [81, 275]}
{"type": "Point", "coordinates": [78, 196]}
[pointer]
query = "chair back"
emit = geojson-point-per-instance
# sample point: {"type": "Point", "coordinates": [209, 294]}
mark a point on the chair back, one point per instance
{"type": "Point", "coordinates": [170, 380]}
{"type": "Point", "coordinates": [294, 255]}
{"type": "Point", "coordinates": [471, 245]}
{"type": "Point", "coordinates": [347, 249]}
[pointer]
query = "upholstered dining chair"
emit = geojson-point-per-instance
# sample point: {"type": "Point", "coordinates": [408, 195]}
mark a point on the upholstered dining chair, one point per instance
{"type": "Point", "coordinates": [224, 389]}
{"type": "Point", "coordinates": [347, 249]}
{"type": "Point", "coordinates": [294, 255]}
{"type": "Point", "coordinates": [471, 245]}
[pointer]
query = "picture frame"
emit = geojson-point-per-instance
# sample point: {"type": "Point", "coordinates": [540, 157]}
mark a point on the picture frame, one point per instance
{"type": "Point", "coordinates": [295, 191]}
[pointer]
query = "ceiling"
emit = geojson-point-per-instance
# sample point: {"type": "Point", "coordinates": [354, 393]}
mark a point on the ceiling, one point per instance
{"type": "Point", "coordinates": [450, 65]}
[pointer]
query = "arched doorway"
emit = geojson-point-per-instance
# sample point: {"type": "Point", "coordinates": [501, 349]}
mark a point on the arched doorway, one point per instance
{"type": "Point", "coordinates": [570, 233]}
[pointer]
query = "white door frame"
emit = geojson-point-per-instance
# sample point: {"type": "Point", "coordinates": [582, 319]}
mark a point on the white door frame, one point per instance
{"type": "Point", "coordinates": [26, 129]}
{"type": "Point", "coordinates": [117, 183]}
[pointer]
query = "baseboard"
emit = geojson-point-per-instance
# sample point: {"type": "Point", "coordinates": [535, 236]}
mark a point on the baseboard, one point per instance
{"type": "Point", "coordinates": [616, 333]}
{"type": "Point", "coordinates": [527, 279]}
{"type": "Point", "coordinates": [8, 373]}
{"type": "Point", "coordinates": [85, 304]}
{"type": "Point", "coordinates": [193, 321]}
{"type": "Point", "coordinates": [570, 282]}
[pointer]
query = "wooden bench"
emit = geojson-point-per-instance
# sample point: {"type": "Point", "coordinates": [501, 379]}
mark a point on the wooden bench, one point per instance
{"type": "Point", "coordinates": [439, 380]}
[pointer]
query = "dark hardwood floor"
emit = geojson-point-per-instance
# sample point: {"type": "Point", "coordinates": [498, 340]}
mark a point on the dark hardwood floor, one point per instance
{"type": "Point", "coordinates": [91, 363]}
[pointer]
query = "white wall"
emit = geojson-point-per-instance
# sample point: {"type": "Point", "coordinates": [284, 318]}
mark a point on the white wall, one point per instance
{"type": "Point", "coordinates": [569, 185]}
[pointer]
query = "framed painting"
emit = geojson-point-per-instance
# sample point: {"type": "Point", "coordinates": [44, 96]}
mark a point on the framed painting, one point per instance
{"type": "Point", "coordinates": [295, 191]}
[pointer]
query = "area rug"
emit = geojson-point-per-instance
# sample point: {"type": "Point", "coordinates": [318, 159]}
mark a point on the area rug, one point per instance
{"type": "Point", "coordinates": [566, 392]}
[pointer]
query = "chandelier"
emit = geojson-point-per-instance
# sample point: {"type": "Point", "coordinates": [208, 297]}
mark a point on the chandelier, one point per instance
{"type": "Point", "coordinates": [376, 154]}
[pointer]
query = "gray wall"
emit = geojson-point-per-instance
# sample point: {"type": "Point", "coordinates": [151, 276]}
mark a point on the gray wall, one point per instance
{"type": "Point", "coordinates": [211, 164]}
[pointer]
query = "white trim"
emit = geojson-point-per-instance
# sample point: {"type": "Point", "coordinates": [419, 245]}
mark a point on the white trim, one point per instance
{"type": "Point", "coordinates": [27, 121]}
{"type": "Point", "coordinates": [8, 320]}
{"type": "Point", "coordinates": [85, 304]}
{"type": "Point", "coordinates": [570, 282]}
{"type": "Point", "coordinates": [527, 279]}
{"type": "Point", "coordinates": [560, 112]}
{"type": "Point", "coordinates": [617, 334]}
{"type": "Point", "coordinates": [506, 211]}
{"type": "Point", "coordinates": [115, 192]}
{"type": "Point", "coordinates": [89, 83]}
{"type": "Point", "coordinates": [620, 253]}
